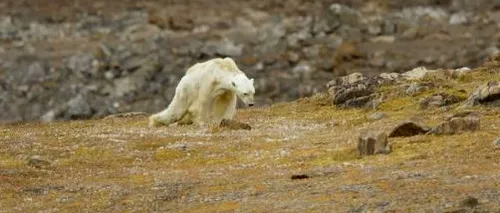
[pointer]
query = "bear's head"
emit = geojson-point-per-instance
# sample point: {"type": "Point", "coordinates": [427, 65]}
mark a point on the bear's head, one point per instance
{"type": "Point", "coordinates": [244, 88]}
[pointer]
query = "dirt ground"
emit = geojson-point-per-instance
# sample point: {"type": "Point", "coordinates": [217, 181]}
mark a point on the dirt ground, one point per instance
{"type": "Point", "coordinates": [298, 157]}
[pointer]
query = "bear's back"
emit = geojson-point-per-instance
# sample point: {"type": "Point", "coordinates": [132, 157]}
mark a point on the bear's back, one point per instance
{"type": "Point", "coordinates": [224, 64]}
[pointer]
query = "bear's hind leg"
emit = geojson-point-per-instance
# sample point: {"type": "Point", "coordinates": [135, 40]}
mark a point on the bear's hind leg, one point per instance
{"type": "Point", "coordinates": [173, 113]}
{"type": "Point", "coordinates": [187, 119]}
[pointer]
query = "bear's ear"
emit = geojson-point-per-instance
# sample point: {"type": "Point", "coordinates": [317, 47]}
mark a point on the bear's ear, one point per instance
{"type": "Point", "coordinates": [232, 82]}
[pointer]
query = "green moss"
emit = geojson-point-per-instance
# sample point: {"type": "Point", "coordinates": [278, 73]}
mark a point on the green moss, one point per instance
{"type": "Point", "coordinates": [168, 154]}
{"type": "Point", "coordinates": [9, 162]}
{"type": "Point", "coordinates": [340, 155]}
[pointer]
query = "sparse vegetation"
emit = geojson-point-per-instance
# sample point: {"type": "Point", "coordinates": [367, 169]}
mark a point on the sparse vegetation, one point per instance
{"type": "Point", "coordinates": [119, 164]}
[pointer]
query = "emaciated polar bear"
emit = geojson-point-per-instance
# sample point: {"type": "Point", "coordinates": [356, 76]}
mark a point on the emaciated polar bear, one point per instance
{"type": "Point", "coordinates": [206, 94]}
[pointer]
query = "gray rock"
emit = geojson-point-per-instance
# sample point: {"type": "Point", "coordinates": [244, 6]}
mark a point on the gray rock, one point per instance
{"type": "Point", "coordinates": [458, 18]}
{"type": "Point", "coordinates": [347, 80]}
{"type": "Point", "coordinates": [371, 143]}
{"type": "Point", "coordinates": [323, 25]}
{"type": "Point", "coordinates": [379, 62]}
{"type": "Point", "coordinates": [109, 75]}
{"type": "Point", "coordinates": [303, 69]}
{"type": "Point", "coordinates": [7, 28]}
{"type": "Point", "coordinates": [411, 33]}
{"type": "Point", "coordinates": [333, 17]}
{"type": "Point", "coordinates": [439, 100]}
{"type": "Point", "coordinates": [353, 96]}
{"type": "Point", "coordinates": [141, 32]}
{"type": "Point", "coordinates": [460, 72]}
{"type": "Point", "coordinates": [415, 88]}
{"type": "Point", "coordinates": [486, 94]}
{"type": "Point", "coordinates": [78, 107]}
{"type": "Point", "coordinates": [36, 73]}
{"type": "Point", "coordinates": [387, 39]}
{"type": "Point", "coordinates": [293, 57]}
{"type": "Point", "coordinates": [413, 14]}
{"type": "Point", "coordinates": [457, 125]}
{"type": "Point", "coordinates": [417, 73]}
{"type": "Point", "coordinates": [339, 13]}
{"type": "Point", "coordinates": [353, 91]}
{"type": "Point", "coordinates": [295, 39]}
{"type": "Point", "coordinates": [389, 76]}
{"type": "Point", "coordinates": [496, 143]}
{"type": "Point", "coordinates": [48, 116]}
{"type": "Point", "coordinates": [376, 116]}
{"type": "Point", "coordinates": [389, 27]}
{"type": "Point", "coordinates": [124, 86]}
{"type": "Point", "coordinates": [224, 47]}
{"type": "Point", "coordinates": [133, 63]}
{"type": "Point", "coordinates": [105, 51]}
{"type": "Point", "coordinates": [137, 81]}
{"type": "Point", "coordinates": [312, 52]}
{"type": "Point", "coordinates": [408, 129]}
{"type": "Point", "coordinates": [192, 48]}
{"type": "Point", "coordinates": [374, 29]}
{"type": "Point", "coordinates": [37, 161]}
{"type": "Point", "coordinates": [64, 199]}
{"type": "Point", "coordinates": [270, 34]}
{"type": "Point", "coordinates": [491, 51]}
{"type": "Point", "coordinates": [82, 63]}
{"type": "Point", "coordinates": [460, 115]}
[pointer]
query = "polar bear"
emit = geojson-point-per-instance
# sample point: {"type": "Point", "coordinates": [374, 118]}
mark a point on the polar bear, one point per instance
{"type": "Point", "coordinates": [207, 93]}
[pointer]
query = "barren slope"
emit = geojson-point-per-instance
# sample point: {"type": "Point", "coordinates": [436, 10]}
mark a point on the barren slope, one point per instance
{"type": "Point", "coordinates": [121, 165]}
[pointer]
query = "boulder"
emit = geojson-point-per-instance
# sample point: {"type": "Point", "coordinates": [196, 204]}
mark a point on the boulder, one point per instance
{"type": "Point", "coordinates": [371, 143]}
{"type": "Point", "coordinates": [417, 73]}
{"type": "Point", "coordinates": [78, 107]}
{"type": "Point", "coordinates": [82, 63]}
{"type": "Point", "coordinates": [353, 91]}
{"type": "Point", "coordinates": [389, 76]}
{"type": "Point", "coordinates": [408, 129]}
{"type": "Point", "coordinates": [439, 100]}
{"type": "Point", "coordinates": [457, 125]}
{"type": "Point", "coordinates": [415, 88]}
{"type": "Point", "coordinates": [486, 94]}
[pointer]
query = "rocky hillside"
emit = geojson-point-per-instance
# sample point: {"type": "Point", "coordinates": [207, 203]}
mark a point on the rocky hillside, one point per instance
{"type": "Point", "coordinates": [423, 141]}
{"type": "Point", "coordinates": [72, 60]}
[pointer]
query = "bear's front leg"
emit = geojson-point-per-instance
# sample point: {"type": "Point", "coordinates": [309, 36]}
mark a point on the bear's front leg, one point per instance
{"type": "Point", "coordinates": [230, 108]}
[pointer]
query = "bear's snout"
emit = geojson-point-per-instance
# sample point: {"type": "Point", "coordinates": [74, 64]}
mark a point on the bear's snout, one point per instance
{"type": "Point", "coordinates": [250, 104]}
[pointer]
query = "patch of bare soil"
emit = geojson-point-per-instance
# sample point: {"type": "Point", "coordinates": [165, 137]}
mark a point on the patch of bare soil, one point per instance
{"type": "Point", "coordinates": [297, 157]}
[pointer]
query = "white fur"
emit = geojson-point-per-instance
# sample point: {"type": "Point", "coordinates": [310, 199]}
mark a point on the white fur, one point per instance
{"type": "Point", "coordinates": [207, 93]}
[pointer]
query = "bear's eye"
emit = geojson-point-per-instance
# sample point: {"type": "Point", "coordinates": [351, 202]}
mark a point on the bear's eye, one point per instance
{"type": "Point", "coordinates": [245, 93]}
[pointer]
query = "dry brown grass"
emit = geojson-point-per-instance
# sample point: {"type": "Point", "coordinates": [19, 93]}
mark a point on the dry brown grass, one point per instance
{"type": "Point", "coordinates": [121, 165]}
